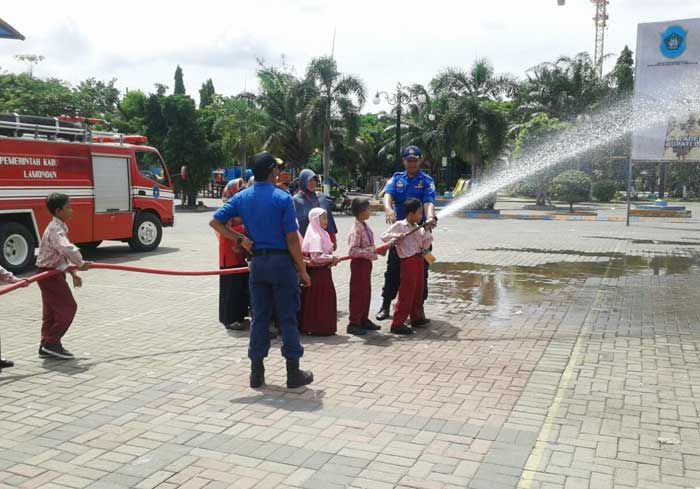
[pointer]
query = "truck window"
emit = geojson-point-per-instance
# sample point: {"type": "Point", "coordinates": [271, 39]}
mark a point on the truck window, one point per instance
{"type": "Point", "coordinates": [151, 167]}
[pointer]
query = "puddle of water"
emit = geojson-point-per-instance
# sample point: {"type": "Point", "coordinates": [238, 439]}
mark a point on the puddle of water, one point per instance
{"type": "Point", "coordinates": [661, 242]}
{"type": "Point", "coordinates": [688, 242]}
{"type": "Point", "coordinates": [504, 290]}
{"type": "Point", "coordinates": [608, 254]}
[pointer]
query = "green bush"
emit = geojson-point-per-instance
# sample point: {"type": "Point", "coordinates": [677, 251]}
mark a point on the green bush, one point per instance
{"type": "Point", "coordinates": [526, 188]}
{"type": "Point", "coordinates": [571, 186]}
{"type": "Point", "coordinates": [604, 191]}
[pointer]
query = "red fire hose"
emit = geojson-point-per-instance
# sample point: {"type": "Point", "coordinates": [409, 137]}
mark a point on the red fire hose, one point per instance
{"type": "Point", "coordinates": [155, 271]}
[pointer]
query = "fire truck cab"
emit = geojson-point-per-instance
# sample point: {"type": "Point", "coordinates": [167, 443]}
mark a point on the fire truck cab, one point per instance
{"type": "Point", "coordinates": [120, 189]}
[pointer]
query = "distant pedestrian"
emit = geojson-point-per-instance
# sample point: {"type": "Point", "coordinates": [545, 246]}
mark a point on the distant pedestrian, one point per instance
{"type": "Point", "coordinates": [284, 180]}
{"type": "Point", "coordinates": [232, 188]}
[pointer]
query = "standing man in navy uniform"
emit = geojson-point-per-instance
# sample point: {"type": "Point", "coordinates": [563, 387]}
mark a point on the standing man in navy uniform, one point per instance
{"type": "Point", "coordinates": [275, 270]}
{"type": "Point", "coordinates": [412, 183]}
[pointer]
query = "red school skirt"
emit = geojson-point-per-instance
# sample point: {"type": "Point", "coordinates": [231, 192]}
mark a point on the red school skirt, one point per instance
{"type": "Point", "coordinates": [319, 308]}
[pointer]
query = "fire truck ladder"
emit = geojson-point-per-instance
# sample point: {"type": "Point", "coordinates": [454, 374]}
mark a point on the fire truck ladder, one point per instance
{"type": "Point", "coordinates": [63, 127]}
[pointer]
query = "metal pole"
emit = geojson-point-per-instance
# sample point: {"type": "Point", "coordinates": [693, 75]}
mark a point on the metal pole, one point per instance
{"type": "Point", "coordinates": [244, 163]}
{"type": "Point", "coordinates": [398, 130]}
{"type": "Point", "coordinates": [629, 189]}
{"type": "Point", "coordinates": [326, 161]}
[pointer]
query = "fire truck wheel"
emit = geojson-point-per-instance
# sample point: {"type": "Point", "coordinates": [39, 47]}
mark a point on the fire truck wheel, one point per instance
{"type": "Point", "coordinates": [16, 247]}
{"type": "Point", "coordinates": [147, 234]}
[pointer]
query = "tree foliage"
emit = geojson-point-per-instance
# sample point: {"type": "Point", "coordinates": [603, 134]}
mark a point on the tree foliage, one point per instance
{"type": "Point", "coordinates": [336, 105]}
{"type": "Point", "coordinates": [473, 113]}
{"type": "Point", "coordinates": [185, 144]}
{"type": "Point", "coordinates": [206, 94]}
{"type": "Point", "coordinates": [604, 190]}
{"type": "Point", "coordinates": [572, 186]}
{"type": "Point", "coordinates": [531, 136]}
{"type": "Point", "coordinates": [624, 72]}
{"type": "Point", "coordinates": [474, 122]}
{"type": "Point", "coordinates": [179, 82]}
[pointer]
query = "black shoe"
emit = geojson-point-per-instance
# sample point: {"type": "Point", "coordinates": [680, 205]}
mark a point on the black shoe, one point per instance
{"type": "Point", "coordinates": [257, 373]}
{"type": "Point", "coordinates": [6, 363]}
{"type": "Point", "coordinates": [403, 329]}
{"type": "Point", "coordinates": [57, 351]}
{"type": "Point", "coordinates": [295, 376]}
{"type": "Point", "coordinates": [421, 323]}
{"type": "Point", "coordinates": [42, 354]}
{"type": "Point", "coordinates": [370, 326]}
{"type": "Point", "coordinates": [356, 330]}
{"type": "Point", "coordinates": [237, 326]}
{"type": "Point", "coordinates": [383, 314]}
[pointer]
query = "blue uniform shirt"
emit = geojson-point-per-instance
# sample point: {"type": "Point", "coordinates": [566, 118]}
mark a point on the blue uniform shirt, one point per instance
{"type": "Point", "coordinates": [401, 187]}
{"type": "Point", "coordinates": [267, 213]}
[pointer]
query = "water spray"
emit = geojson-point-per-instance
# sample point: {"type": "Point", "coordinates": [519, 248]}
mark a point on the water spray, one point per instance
{"type": "Point", "coordinates": [588, 133]}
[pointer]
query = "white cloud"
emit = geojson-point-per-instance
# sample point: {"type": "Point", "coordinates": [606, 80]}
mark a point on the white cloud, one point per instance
{"type": "Point", "coordinates": [383, 41]}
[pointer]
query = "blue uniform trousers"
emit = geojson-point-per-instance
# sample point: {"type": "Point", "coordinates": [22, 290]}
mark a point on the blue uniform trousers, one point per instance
{"type": "Point", "coordinates": [274, 286]}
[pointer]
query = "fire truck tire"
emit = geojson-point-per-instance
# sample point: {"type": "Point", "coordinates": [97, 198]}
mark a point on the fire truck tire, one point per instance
{"type": "Point", "coordinates": [17, 247]}
{"type": "Point", "coordinates": [148, 231]}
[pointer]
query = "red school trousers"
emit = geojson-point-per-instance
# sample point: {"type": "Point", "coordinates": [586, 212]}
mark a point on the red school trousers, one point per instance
{"type": "Point", "coordinates": [59, 308]}
{"type": "Point", "coordinates": [360, 290]}
{"type": "Point", "coordinates": [410, 291]}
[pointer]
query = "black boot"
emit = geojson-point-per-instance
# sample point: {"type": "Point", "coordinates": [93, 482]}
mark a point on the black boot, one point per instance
{"type": "Point", "coordinates": [6, 364]}
{"type": "Point", "coordinates": [295, 377]}
{"type": "Point", "coordinates": [257, 373]}
{"type": "Point", "coordinates": [384, 312]}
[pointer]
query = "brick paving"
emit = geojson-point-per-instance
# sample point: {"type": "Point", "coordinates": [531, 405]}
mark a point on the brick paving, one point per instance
{"type": "Point", "coordinates": [560, 353]}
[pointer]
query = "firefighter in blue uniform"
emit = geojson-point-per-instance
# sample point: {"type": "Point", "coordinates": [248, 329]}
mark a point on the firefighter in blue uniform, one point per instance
{"type": "Point", "coordinates": [275, 270]}
{"type": "Point", "coordinates": [412, 183]}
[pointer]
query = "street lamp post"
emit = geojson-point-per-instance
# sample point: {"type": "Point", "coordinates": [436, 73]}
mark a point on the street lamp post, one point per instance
{"type": "Point", "coordinates": [402, 96]}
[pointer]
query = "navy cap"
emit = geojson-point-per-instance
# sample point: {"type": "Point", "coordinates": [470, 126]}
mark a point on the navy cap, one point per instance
{"type": "Point", "coordinates": [411, 152]}
{"type": "Point", "coordinates": [263, 163]}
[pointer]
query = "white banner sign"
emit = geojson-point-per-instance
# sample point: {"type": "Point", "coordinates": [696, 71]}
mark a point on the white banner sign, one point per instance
{"type": "Point", "coordinates": [668, 54]}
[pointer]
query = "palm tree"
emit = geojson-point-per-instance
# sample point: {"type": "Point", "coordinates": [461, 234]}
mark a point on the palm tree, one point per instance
{"type": "Point", "coordinates": [240, 124]}
{"type": "Point", "coordinates": [564, 88]}
{"type": "Point", "coordinates": [285, 102]}
{"type": "Point", "coordinates": [419, 126]}
{"type": "Point", "coordinates": [474, 122]}
{"type": "Point", "coordinates": [338, 103]}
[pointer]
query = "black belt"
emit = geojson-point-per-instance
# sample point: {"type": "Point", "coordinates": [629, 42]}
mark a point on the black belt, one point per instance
{"type": "Point", "coordinates": [270, 252]}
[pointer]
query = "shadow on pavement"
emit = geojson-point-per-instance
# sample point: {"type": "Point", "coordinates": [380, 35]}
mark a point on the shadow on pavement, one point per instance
{"type": "Point", "coordinates": [279, 398]}
{"type": "Point", "coordinates": [122, 253]}
{"type": "Point", "coordinates": [71, 367]}
{"type": "Point", "coordinates": [67, 367]}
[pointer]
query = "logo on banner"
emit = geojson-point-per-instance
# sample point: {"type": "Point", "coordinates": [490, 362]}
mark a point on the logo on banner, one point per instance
{"type": "Point", "coordinates": [673, 42]}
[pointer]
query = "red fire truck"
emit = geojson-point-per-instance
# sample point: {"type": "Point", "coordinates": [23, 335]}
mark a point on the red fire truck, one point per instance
{"type": "Point", "coordinates": [120, 188]}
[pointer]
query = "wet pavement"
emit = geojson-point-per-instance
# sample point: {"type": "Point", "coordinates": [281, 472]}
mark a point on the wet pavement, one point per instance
{"type": "Point", "coordinates": [561, 354]}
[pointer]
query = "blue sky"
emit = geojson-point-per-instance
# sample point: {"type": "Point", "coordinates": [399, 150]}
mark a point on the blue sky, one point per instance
{"type": "Point", "coordinates": [384, 42]}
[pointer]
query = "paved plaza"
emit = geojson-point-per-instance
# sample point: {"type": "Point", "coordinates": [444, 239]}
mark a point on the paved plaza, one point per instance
{"type": "Point", "coordinates": [561, 355]}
